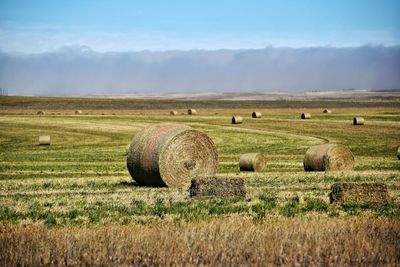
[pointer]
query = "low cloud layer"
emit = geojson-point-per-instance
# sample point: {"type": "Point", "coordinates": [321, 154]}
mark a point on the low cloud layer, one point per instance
{"type": "Point", "coordinates": [79, 70]}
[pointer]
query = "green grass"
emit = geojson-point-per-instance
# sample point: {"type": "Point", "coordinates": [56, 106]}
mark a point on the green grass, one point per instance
{"type": "Point", "coordinates": [82, 177]}
{"type": "Point", "coordinates": [60, 103]}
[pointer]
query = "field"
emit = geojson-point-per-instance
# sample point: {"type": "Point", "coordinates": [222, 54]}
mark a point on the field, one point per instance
{"type": "Point", "coordinates": [74, 202]}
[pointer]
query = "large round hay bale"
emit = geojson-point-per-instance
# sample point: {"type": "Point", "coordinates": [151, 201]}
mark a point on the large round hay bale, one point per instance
{"type": "Point", "coordinates": [171, 155]}
{"type": "Point", "coordinates": [192, 111]}
{"type": "Point", "coordinates": [327, 111]}
{"type": "Point", "coordinates": [305, 116]}
{"type": "Point", "coordinates": [256, 115]}
{"type": "Point", "coordinates": [358, 121]}
{"type": "Point", "coordinates": [253, 162]}
{"type": "Point", "coordinates": [44, 140]}
{"type": "Point", "coordinates": [173, 112]}
{"type": "Point", "coordinates": [398, 152]}
{"type": "Point", "coordinates": [328, 157]}
{"type": "Point", "coordinates": [237, 119]}
{"type": "Point", "coordinates": [78, 112]}
{"type": "Point", "coordinates": [41, 112]}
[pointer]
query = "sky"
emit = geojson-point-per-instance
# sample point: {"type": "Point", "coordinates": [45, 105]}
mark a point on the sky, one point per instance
{"type": "Point", "coordinates": [101, 46]}
{"type": "Point", "coordinates": [29, 26]}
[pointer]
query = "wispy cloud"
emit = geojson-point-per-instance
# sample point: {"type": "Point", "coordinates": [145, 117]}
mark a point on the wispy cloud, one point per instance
{"type": "Point", "coordinates": [39, 38]}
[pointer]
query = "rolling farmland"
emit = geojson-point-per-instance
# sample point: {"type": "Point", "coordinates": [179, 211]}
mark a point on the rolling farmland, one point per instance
{"type": "Point", "coordinates": [77, 193]}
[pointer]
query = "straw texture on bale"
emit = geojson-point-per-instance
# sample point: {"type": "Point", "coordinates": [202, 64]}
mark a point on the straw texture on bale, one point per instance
{"type": "Point", "coordinates": [192, 111]}
{"type": "Point", "coordinates": [398, 152]}
{"type": "Point", "coordinates": [171, 155]}
{"type": "Point", "coordinates": [237, 119]}
{"type": "Point", "coordinates": [173, 112]}
{"type": "Point", "coordinates": [305, 116]}
{"type": "Point", "coordinates": [358, 121]}
{"type": "Point", "coordinates": [217, 187]}
{"type": "Point", "coordinates": [253, 162]}
{"type": "Point", "coordinates": [327, 111]}
{"type": "Point", "coordinates": [128, 146]}
{"type": "Point", "coordinates": [41, 112]}
{"type": "Point", "coordinates": [44, 140]}
{"type": "Point", "coordinates": [78, 112]}
{"type": "Point", "coordinates": [358, 193]}
{"type": "Point", "coordinates": [328, 157]}
{"type": "Point", "coordinates": [256, 115]}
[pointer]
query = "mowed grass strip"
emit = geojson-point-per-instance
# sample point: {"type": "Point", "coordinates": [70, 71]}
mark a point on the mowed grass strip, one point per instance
{"type": "Point", "coordinates": [84, 172]}
{"type": "Point", "coordinates": [74, 202]}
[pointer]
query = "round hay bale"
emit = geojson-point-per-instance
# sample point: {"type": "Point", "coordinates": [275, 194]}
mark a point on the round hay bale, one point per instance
{"type": "Point", "coordinates": [171, 155]}
{"type": "Point", "coordinates": [256, 115]}
{"type": "Point", "coordinates": [237, 119]}
{"type": "Point", "coordinates": [328, 157]}
{"type": "Point", "coordinates": [41, 112]}
{"type": "Point", "coordinates": [192, 111]}
{"type": "Point", "coordinates": [398, 152]}
{"type": "Point", "coordinates": [253, 162]}
{"type": "Point", "coordinates": [173, 112]}
{"type": "Point", "coordinates": [305, 116]}
{"type": "Point", "coordinates": [78, 112]}
{"type": "Point", "coordinates": [44, 140]}
{"type": "Point", "coordinates": [327, 111]}
{"type": "Point", "coordinates": [358, 121]}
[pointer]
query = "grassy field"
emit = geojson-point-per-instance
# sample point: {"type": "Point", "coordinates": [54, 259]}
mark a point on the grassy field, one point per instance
{"type": "Point", "coordinates": [74, 202]}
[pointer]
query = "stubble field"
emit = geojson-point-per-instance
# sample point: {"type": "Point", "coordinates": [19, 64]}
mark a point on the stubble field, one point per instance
{"type": "Point", "coordinates": [74, 202]}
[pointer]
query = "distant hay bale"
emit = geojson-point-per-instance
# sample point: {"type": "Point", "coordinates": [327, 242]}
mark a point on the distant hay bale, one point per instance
{"type": "Point", "coordinates": [171, 155]}
{"type": "Point", "coordinates": [256, 115]}
{"type": "Point", "coordinates": [78, 112]}
{"type": "Point", "coordinates": [217, 187]}
{"type": "Point", "coordinates": [192, 111]}
{"type": "Point", "coordinates": [237, 119]}
{"type": "Point", "coordinates": [358, 121]}
{"type": "Point", "coordinates": [305, 116]}
{"type": "Point", "coordinates": [328, 157]}
{"type": "Point", "coordinates": [398, 152]}
{"type": "Point", "coordinates": [41, 112]}
{"type": "Point", "coordinates": [359, 193]}
{"type": "Point", "coordinates": [254, 162]}
{"type": "Point", "coordinates": [173, 112]}
{"type": "Point", "coordinates": [327, 111]}
{"type": "Point", "coordinates": [44, 140]}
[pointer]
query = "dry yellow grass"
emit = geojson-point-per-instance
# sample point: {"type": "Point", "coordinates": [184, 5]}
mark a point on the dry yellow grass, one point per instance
{"type": "Point", "coordinates": [223, 242]}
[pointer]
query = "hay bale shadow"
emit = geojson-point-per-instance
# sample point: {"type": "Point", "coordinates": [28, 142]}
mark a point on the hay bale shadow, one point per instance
{"type": "Point", "coordinates": [129, 184]}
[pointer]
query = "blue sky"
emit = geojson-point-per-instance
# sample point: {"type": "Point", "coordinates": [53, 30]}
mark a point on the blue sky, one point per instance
{"type": "Point", "coordinates": [43, 25]}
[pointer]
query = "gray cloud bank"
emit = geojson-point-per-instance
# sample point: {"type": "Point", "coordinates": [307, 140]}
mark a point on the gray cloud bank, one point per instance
{"type": "Point", "coordinates": [79, 70]}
